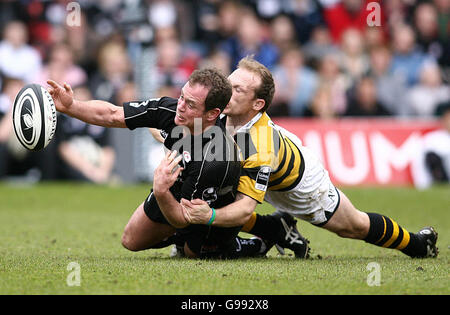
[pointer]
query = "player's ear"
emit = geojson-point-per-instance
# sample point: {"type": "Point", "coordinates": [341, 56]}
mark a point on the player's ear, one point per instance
{"type": "Point", "coordinates": [212, 114]}
{"type": "Point", "coordinates": [259, 104]}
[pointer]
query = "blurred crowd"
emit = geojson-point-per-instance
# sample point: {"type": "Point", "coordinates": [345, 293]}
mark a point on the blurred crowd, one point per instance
{"type": "Point", "coordinates": [329, 58]}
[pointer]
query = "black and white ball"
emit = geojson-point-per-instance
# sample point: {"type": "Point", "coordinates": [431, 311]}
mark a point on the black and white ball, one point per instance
{"type": "Point", "coordinates": [34, 117]}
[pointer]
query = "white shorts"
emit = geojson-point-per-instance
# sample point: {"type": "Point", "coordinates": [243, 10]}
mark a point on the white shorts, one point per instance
{"type": "Point", "coordinates": [314, 199]}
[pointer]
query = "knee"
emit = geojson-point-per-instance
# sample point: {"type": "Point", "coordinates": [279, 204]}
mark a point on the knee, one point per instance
{"type": "Point", "coordinates": [128, 241]}
{"type": "Point", "coordinates": [188, 252]}
{"type": "Point", "coordinates": [354, 226]}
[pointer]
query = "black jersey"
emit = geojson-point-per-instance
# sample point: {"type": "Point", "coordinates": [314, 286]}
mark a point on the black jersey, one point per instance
{"type": "Point", "coordinates": [210, 160]}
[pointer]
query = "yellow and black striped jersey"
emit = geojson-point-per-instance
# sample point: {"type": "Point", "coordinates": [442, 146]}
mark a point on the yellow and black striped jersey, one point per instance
{"type": "Point", "coordinates": [272, 159]}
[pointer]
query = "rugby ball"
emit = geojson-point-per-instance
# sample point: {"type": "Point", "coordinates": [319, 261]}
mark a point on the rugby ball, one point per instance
{"type": "Point", "coordinates": [34, 117]}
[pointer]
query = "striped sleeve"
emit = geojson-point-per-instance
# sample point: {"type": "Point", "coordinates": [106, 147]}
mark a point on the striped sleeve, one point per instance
{"type": "Point", "coordinates": [253, 182]}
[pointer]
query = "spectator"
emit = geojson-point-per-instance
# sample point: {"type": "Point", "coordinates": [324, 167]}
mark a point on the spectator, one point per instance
{"type": "Point", "coordinates": [114, 71]}
{"type": "Point", "coordinates": [407, 58]}
{"type": "Point", "coordinates": [270, 9]}
{"type": "Point", "coordinates": [162, 13]}
{"type": "Point", "coordinates": [18, 59]}
{"type": "Point", "coordinates": [84, 150]}
{"type": "Point", "coordinates": [397, 12]}
{"type": "Point", "coordinates": [319, 46]}
{"type": "Point", "coordinates": [322, 106]}
{"type": "Point", "coordinates": [228, 18]}
{"type": "Point", "coordinates": [9, 11]}
{"type": "Point", "coordinates": [61, 68]}
{"type": "Point", "coordinates": [374, 37]}
{"type": "Point", "coordinates": [283, 32]}
{"type": "Point", "coordinates": [12, 154]}
{"type": "Point", "coordinates": [337, 84]}
{"type": "Point", "coordinates": [205, 23]}
{"type": "Point", "coordinates": [427, 30]}
{"type": "Point", "coordinates": [347, 14]}
{"type": "Point", "coordinates": [218, 60]}
{"type": "Point", "coordinates": [173, 68]}
{"type": "Point", "coordinates": [38, 20]}
{"type": "Point", "coordinates": [126, 93]}
{"type": "Point", "coordinates": [443, 8]}
{"type": "Point", "coordinates": [365, 101]}
{"type": "Point", "coordinates": [249, 40]}
{"type": "Point", "coordinates": [83, 42]}
{"type": "Point", "coordinates": [424, 97]}
{"type": "Point", "coordinates": [165, 33]}
{"type": "Point", "coordinates": [352, 58]}
{"type": "Point", "coordinates": [306, 16]}
{"type": "Point", "coordinates": [295, 84]}
{"type": "Point", "coordinates": [391, 87]}
{"type": "Point", "coordinates": [433, 162]}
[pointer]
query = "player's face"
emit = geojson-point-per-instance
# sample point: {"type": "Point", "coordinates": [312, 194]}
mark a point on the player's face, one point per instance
{"type": "Point", "coordinates": [243, 99]}
{"type": "Point", "coordinates": [191, 105]}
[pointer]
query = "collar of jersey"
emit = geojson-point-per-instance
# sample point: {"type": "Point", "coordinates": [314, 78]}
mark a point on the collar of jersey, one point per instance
{"type": "Point", "coordinates": [249, 125]}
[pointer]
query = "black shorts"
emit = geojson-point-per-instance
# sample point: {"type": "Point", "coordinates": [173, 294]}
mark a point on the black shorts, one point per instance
{"type": "Point", "coordinates": [205, 241]}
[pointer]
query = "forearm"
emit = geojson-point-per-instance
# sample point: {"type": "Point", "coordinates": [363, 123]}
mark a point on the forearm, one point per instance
{"type": "Point", "coordinates": [97, 112]}
{"type": "Point", "coordinates": [171, 209]}
{"type": "Point", "coordinates": [236, 213]}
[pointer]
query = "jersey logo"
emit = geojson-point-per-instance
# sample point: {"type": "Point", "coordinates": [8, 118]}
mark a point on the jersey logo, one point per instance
{"type": "Point", "coordinates": [262, 179]}
{"type": "Point", "coordinates": [144, 103]}
{"type": "Point", "coordinates": [186, 156]}
{"type": "Point", "coordinates": [163, 134]}
{"type": "Point", "coordinates": [209, 195]}
{"type": "Point", "coordinates": [331, 193]}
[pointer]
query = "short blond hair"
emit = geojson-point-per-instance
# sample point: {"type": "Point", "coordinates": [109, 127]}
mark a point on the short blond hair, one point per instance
{"type": "Point", "coordinates": [267, 88]}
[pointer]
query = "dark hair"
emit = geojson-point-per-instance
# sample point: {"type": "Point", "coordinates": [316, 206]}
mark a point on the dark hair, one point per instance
{"type": "Point", "coordinates": [220, 90]}
{"type": "Point", "coordinates": [442, 108]}
{"type": "Point", "coordinates": [267, 88]}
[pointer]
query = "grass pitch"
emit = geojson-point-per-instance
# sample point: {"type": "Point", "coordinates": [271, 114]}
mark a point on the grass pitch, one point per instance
{"type": "Point", "coordinates": [45, 228]}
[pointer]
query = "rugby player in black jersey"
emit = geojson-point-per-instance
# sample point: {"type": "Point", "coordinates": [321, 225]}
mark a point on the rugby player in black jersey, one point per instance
{"type": "Point", "coordinates": [203, 162]}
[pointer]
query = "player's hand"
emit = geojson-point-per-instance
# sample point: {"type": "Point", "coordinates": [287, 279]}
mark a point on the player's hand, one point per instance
{"type": "Point", "coordinates": [167, 172]}
{"type": "Point", "coordinates": [62, 95]}
{"type": "Point", "coordinates": [196, 211]}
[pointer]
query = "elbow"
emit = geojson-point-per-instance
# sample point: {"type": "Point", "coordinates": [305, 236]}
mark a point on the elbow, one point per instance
{"type": "Point", "coordinates": [175, 219]}
{"type": "Point", "coordinates": [248, 215]}
{"type": "Point", "coordinates": [246, 218]}
{"type": "Point", "coordinates": [248, 206]}
{"type": "Point", "coordinates": [178, 224]}
{"type": "Point", "coordinates": [115, 117]}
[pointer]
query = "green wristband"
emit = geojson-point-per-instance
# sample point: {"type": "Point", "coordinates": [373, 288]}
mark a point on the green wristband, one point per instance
{"type": "Point", "coordinates": [213, 217]}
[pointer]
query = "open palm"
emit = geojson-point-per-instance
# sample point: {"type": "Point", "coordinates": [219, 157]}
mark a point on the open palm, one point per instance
{"type": "Point", "coordinates": [62, 96]}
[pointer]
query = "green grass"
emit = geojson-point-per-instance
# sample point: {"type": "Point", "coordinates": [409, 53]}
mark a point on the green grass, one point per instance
{"type": "Point", "coordinates": [45, 227]}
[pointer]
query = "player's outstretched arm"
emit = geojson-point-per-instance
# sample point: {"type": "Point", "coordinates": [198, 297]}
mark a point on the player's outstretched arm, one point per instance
{"type": "Point", "coordinates": [95, 112]}
{"type": "Point", "coordinates": [237, 213]}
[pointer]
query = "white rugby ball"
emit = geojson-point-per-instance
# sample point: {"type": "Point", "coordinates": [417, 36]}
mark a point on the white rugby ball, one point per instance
{"type": "Point", "coordinates": [34, 117]}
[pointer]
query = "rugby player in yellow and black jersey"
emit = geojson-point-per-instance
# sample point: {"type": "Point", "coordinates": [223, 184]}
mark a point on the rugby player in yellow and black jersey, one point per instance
{"type": "Point", "coordinates": [279, 170]}
{"type": "Point", "coordinates": [272, 160]}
